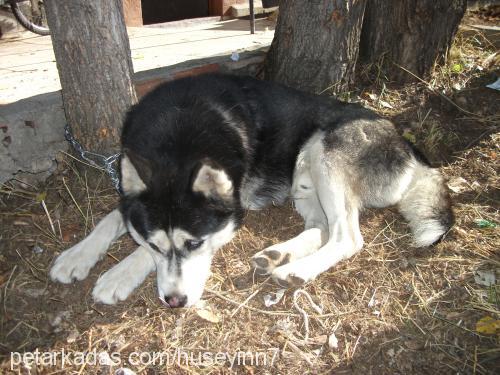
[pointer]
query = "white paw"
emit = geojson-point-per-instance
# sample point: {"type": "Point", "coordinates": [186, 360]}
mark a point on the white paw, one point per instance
{"type": "Point", "coordinates": [121, 280]}
{"type": "Point", "coordinates": [291, 275]}
{"type": "Point", "coordinates": [74, 263]}
{"type": "Point", "coordinates": [267, 260]}
{"type": "Point", "coordinates": [276, 256]}
{"type": "Point", "coordinates": [115, 285]}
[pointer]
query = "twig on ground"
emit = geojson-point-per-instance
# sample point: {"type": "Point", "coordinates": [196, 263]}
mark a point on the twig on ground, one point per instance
{"type": "Point", "coordinates": [244, 302]}
{"type": "Point", "coordinates": [48, 217]}
{"type": "Point", "coordinates": [303, 312]}
{"type": "Point", "coordinates": [74, 200]}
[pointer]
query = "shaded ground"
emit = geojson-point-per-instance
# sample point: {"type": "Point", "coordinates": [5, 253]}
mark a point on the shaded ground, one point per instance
{"type": "Point", "coordinates": [392, 308]}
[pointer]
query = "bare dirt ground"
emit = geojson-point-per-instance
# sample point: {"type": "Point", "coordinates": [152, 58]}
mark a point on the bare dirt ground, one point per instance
{"type": "Point", "coordinates": [391, 308]}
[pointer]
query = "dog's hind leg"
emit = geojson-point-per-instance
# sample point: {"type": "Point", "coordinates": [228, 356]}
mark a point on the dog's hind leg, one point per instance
{"type": "Point", "coordinates": [341, 207]}
{"type": "Point", "coordinates": [121, 280]}
{"type": "Point", "coordinates": [76, 262]}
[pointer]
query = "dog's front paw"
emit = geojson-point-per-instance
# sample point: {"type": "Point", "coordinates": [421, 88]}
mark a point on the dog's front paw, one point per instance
{"type": "Point", "coordinates": [288, 276]}
{"type": "Point", "coordinates": [121, 280]}
{"type": "Point", "coordinates": [267, 260]}
{"type": "Point", "coordinates": [113, 286]}
{"type": "Point", "coordinates": [72, 264]}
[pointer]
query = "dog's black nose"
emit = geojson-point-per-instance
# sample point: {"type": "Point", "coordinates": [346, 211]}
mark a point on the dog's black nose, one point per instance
{"type": "Point", "coordinates": [176, 301]}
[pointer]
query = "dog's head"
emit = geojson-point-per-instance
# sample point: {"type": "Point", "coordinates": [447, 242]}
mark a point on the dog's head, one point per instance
{"type": "Point", "coordinates": [182, 217]}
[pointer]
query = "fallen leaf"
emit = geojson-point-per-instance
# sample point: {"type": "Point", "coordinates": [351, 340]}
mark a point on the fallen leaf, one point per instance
{"type": "Point", "coordinates": [385, 104]}
{"type": "Point", "coordinates": [458, 184]}
{"type": "Point", "coordinates": [457, 68]}
{"type": "Point", "coordinates": [208, 315]}
{"type": "Point", "coordinates": [487, 325]}
{"type": "Point", "coordinates": [485, 277]}
{"type": "Point", "coordinates": [491, 60]}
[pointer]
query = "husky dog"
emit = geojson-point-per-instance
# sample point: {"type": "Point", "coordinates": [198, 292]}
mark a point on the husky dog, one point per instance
{"type": "Point", "coordinates": [199, 151]}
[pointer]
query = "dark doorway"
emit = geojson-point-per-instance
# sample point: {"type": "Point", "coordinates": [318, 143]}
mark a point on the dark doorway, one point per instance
{"type": "Point", "coordinates": [158, 11]}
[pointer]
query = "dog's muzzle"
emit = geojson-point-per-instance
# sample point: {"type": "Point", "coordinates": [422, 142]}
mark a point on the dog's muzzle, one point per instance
{"type": "Point", "coordinates": [174, 301]}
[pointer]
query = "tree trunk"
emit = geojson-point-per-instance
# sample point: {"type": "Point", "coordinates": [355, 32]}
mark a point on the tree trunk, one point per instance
{"type": "Point", "coordinates": [95, 68]}
{"type": "Point", "coordinates": [411, 34]}
{"type": "Point", "coordinates": [315, 45]}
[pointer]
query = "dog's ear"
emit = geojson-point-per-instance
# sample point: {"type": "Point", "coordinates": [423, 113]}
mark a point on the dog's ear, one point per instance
{"type": "Point", "coordinates": [213, 182]}
{"type": "Point", "coordinates": [136, 172]}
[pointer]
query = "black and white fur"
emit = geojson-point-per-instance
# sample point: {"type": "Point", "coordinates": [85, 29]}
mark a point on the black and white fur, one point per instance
{"type": "Point", "coordinates": [198, 151]}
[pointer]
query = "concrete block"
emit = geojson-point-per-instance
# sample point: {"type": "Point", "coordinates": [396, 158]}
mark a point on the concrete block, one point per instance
{"type": "Point", "coordinates": [31, 134]}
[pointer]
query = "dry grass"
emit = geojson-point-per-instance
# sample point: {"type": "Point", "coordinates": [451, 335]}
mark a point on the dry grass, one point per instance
{"type": "Point", "coordinates": [392, 308]}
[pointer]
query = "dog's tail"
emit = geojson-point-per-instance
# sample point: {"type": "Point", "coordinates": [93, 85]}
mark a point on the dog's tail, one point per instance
{"type": "Point", "coordinates": [426, 205]}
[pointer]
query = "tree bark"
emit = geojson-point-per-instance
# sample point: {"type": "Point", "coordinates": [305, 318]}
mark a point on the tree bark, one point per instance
{"type": "Point", "coordinates": [315, 45]}
{"type": "Point", "coordinates": [411, 34]}
{"type": "Point", "coordinates": [95, 68]}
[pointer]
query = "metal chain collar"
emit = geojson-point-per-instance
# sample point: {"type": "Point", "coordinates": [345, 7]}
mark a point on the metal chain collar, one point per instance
{"type": "Point", "coordinates": [105, 163]}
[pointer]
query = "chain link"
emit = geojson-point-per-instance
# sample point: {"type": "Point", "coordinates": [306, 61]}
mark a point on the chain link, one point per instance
{"type": "Point", "coordinates": [104, 163]}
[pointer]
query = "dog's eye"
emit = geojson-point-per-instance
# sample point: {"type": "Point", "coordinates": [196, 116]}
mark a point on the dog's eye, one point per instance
{"type": "Point", "coordinates": [193, 244]}
{"type": "Point", "coordinates": [153, 246]}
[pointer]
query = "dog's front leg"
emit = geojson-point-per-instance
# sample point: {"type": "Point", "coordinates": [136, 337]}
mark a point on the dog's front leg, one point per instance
{"type": "Point", "coordinates": [121, 280]}
{"type": "Point", "coordinates": [306, 243]}
{"type": "Point", "coordinates": [344, 240]}
{"type": "Point", "coordinates": [76, 262]}
{"type": "Point", "coordinates": [306, 269]}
